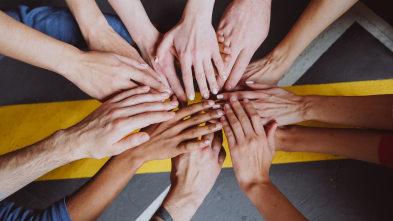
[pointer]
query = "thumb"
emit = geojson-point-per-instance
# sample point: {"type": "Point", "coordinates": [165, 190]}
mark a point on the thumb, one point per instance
{"type": "Point", "coordinates": [259, 86]}
{"type": "Point", "coordinates": [132, 62]}
{"type": "Point", "coordinates": [271, 137]}
{"type": "Point", "coordinates": [190, 146]}
{"type": "Point", "coordinates": [131, 141]}
{"type": "Point", "coordinates": [164, 46]}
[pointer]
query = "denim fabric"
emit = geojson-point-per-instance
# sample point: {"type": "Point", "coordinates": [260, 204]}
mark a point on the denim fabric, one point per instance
{"type": "Point", "coordinates": [56, 212]}
{"type": "Point", "coordinates": [59, 23]}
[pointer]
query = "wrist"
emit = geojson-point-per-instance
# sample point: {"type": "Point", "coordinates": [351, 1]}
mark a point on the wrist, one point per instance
{"type": "Point", "coordinates": [252, 187]}
{"type": "Point", "coordinates": [64, 141]}
{"type": "Point", "coordinates": [198, 11]}
{"type": "Point", "coordinates": [182, 206]}
{"type": "Point", "coordinates": [70, 62]}
{"type": "Point", "coordinates": [309, 102]}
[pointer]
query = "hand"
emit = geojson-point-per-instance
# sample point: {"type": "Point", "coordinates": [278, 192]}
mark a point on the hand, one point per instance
{"type": "Point", "coordinates": [103, 75]}
{"type": "Point", "coordinates": [273, 104]}
{"type": "Point", "coordinates": [193, 176]}
{"type": "Point", "coordinates": [194, 43]}
{"type": "Point", "coordinates": [267, 70]}
{"type": "Point", "coordinates": [244, 25]}
{"type": "Point", "coordinates": [251, 150]}
{"type": "Point", "coordinates": [103, 133]}
{"type": "Point", "coordinates": [167, 139]}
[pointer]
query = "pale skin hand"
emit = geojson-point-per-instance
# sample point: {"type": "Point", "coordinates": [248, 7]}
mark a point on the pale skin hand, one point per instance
{"type": "Point", "coordinates": [194, 42]}
{"type": "Point", "coordinates": [192, 177]}
{"type": "Point", "coordinates": [244, 25]}
{"type": "Point", "coordinates": [167, 140]}
{"type": "Point", "coordinates": [252, 153]}
{"type": "Point", "coordinates": [103, 133]}
{"type": "Point", "coordinates": [318, 15]}
{"type": "Point", "coordinates": [100, 36]}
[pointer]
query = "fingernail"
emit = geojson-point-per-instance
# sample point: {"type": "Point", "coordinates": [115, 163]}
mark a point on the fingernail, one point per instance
{"type": "Point", "coordinates": [221, 38]}
{"type": "Point", "coordinates": [223, 118]}
{"type": "Point", "coordinates": [227, 58]}
{"type": "Point", "coordinates": [144, 65]}
{"type": "Point", "coordinates": [174, 103]}
{"type": "Point", "coordinates": [249, 82]}
{"type": "Point", "coordinates": [144, 138]}
{"type": "Point", "coordinates": [229, 87]}
{"type": "Point", "coordinates": [226, 106]}
{"type": "Point", "coordinates": [220, 113]}
{"type": "Point", "coordinates": [158, 78]}
{"type": "Point", "coordinates": [224, 77]}
{"type": "Point", "coordinates": [210, 103]}
{"type": "Point", "coordinates": [206, 95]}
{"type": "Point", "coordinates": [164, 94]}
{"type": "Point", "coordinates": [207, 142]}
{"type": "Point", "coordinates": [145, 88]}
{"type": "Point", "coordinates": [246, 101]}
{"type": "Point", "coordinates": [156, 59]}
{"type": "Point", "coordinates": [167, 90]}
{"type": "Point", "coordinates": [216, 106]}
{"type": "Point", "coordinates": [172, 113]}
{"type": "Point", "coordinates": [233, 98]}
{"type": "Point", "coordinates": [220, 96]}
{"type": "Point", "coordinates": [218, 126]}
{"type": "Point", "coordinates": [215, 91]}
{"type": "Point", "coordinates": [226, 49]}
{"type": "Point", "coordinates": [191, 97]}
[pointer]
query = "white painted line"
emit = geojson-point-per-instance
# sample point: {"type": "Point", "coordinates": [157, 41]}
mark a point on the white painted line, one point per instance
{"type": "Point", "coordinates": [149, 212]}
{"type": "Point", "coordinates": [358, 13]}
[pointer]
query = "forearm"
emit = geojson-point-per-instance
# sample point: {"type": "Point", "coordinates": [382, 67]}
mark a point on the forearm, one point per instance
{"type": "Point", "coordinates": [91, 200]}
{"type": "Point", "coordinates": [19, 168]}
{"type": "Point", "coordinates": [134, 17]}
{"type": "Point", "coordinates": [271, 203]}
{"type": "Point", "coordinates": [353, 143]}
{"type": "Point", "coordinates": [372, 112]}
{"type": "Point", "coordinates": [23, 43]}
{"type": "Point", "coordinates": [318, 15]}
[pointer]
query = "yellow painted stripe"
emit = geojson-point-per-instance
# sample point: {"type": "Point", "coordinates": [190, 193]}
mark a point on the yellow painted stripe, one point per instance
{"type": "Point", "coordinates": [22, 125]}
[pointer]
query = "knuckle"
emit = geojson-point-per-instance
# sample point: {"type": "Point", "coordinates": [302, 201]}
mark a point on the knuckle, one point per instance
{"type": "Point", "coordinates": [255, 115]}
{"type": "Point", "coordinates": [146, 79]}
{"type": "Point", "coordinates": [196, 119]}
{"type": "Point", "coordinates": [243, 117]}
{"type": "Point", "coordinates": [236, 124]}
{"type": "Point", "coordinates": [190, 108]}
{"type": "Point", "coordinates": [199, 76]}
{"type": "Point", "coordinates": [187, 76]}
{"type": "Point", "coordinates": [147, 106]}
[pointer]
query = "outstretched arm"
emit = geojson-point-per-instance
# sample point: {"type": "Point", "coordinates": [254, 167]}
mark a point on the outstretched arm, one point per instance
{"type": "Point", "coordinates": [318, 15]}
{"type": "Point", "coordinates": [252, 152]}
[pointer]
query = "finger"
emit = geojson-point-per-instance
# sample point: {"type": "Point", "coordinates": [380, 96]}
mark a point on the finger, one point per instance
{"type": "Point", "coordinates": [208, 136]}
{"type": "Point", "coordinates": [235, 123]}
{"type": "Point", "coordinates": [238, 69]}
{"type": "Point", "coordinates": [228, 132]}
{"type": "Point", "coordinates": [193, 108]}
{"type": "Point", "coordinates": [255, 118]}
{"type": "Point", "coordinates": [196, 120]}
{"type": "Point", "coordinates": [174, 82]}
{"type": "Point", "coordinates": [134, 63]}
{"type": "Point", "coordinates": [201, 79]}
{"type": "Point", "coordinates": [219, 64]}
{"type": "Point", "coordinates": [187, 78]}
{"type": "Point", "coordinates": [220, 38]}
{"type": "Point", "coordinates": [217, 142]}
{"type": "Point", "coordinates": [143, 108]}
{"type": "Point", "coordinates": [260, 86]}
{"type": "Point", "coordinates": [166, 43]}
{"type": "Point", "coordinates": [224, 49]}
{"type": "Point", "coordinates": [143, 98]}
{"type": "Point", "coordinates": [126, 94]}
{"type": "Point", "coordinates": [127, 125]}
{"type": "Point", "coordinates": [226, 57]}
{"type": "Point", "coordinates": [242, 116]}
{"type": "Point", "coordinates": [130, 141]}
{"type": "Point", "coordinates": [190, 146]}
{"type": "Point", "coordinates": [271, 137]}
{"type": "Point", "coordinates": [211, 77]}
{"type": "Point", "coordinates": [199, 131]}
{"type": "Point", "coordinates": [240, 95]}
{"type": "Point", "coordinates": [221, 156]}
{"type": "Point", "coordinates": [145, 79]}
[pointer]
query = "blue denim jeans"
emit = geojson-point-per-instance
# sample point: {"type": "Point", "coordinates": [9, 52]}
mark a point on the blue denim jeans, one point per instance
{"type": "Point", "coordinates": [59, 23]}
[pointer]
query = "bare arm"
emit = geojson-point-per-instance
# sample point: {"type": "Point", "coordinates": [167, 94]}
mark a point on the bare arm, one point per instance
{"type": "Point", "coordinates": [277, 104]}
{"type": "Point", "coordinates": [252, 151]}
{"type": "Point", "coordinates": [318, 15]}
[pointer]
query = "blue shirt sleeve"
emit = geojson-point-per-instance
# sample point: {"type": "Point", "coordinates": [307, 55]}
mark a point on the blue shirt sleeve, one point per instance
{"type": "Point", "coordinates": [56, 212]}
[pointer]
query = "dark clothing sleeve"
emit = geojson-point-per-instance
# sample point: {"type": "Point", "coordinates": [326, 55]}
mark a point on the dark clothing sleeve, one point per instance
{"type": "Point", "coordinates": [56, 212]}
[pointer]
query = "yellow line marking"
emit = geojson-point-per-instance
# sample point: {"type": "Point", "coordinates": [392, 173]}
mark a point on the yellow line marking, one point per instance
{"type": "Point", "coordinates": [23, 125]}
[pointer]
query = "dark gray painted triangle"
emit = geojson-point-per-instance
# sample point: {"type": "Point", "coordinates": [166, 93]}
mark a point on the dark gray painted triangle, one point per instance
{"type": "Point", "coordinates": [355, 56]}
